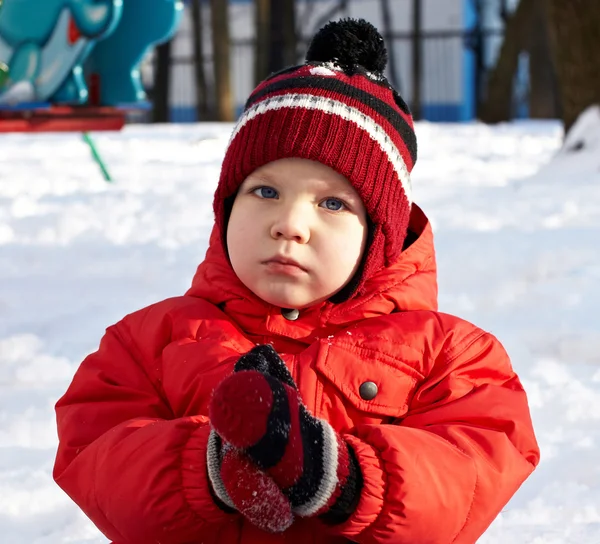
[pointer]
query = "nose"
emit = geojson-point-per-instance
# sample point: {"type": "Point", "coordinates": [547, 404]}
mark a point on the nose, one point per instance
{"type": "Point", "coordinates": [291, 223]}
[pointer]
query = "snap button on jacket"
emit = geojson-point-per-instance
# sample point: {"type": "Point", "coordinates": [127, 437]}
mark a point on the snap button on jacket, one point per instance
{"type": "Point", "coordinates": [443, 440]}
{"type": "Point", "coordinates": [290, 314]}
{"type": "Point", "coordinates": [368, 390]}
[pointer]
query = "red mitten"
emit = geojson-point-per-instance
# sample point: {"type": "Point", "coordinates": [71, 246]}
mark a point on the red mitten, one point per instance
{"type": "Point", "coordinates": [261, 414]}
{"type": "Point", "coordinates": [240, 485]}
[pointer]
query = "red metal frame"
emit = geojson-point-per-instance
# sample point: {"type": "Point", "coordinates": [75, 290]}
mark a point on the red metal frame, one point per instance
{"type": "Point", "coordinates": [62, 119]}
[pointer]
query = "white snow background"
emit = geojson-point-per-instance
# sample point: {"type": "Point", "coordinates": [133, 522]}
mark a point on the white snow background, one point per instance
{"type": "Point", "coordinates": [517, 223]}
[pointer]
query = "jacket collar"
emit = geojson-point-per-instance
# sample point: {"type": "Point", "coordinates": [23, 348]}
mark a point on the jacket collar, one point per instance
{"type": "Point", "coordinates": [408, 284]}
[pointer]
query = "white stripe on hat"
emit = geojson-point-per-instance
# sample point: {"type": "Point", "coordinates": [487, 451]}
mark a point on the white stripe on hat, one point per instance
{"type": "Point", "coordinates": [333, 107]}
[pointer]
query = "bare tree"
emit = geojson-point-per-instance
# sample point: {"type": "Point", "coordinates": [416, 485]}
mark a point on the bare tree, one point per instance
{"type": "Point", "coordinates": [200, 77]}
{"type": "Point", "coordinates": [417, 58]}
{"type": "Point", "coordinates": [386, 15]}
{"type": "Point", "coordinates": [221, 59]}
{"type": "Point", "coordinates": [290, 43]}
{"type": "Point", "coordinates": [543, 85]}
{"type": "Point", "coordinates": [162, 80]}
{"type": "Point", "coordinates": [575, 34]}
{"type": "Point", "coordinates": [497, 106]}
{"type": "Point", "coordinates": [262, 12]}
{"type": "Point", "coordinates": [282, 33]}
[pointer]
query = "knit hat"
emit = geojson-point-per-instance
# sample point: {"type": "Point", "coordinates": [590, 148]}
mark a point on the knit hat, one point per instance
{"type": "Point", "coordinates": [340, 110]}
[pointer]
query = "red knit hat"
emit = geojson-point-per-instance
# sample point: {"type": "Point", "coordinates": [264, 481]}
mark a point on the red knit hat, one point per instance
{"type": "Point", "coordinates": [338, 109]}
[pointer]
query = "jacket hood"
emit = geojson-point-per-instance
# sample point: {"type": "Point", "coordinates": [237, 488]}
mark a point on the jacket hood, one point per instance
{"type": "Point", "coordinates": [410, 283]}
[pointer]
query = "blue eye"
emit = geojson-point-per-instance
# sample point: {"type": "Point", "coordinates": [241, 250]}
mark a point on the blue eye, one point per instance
{"type": "Point", "coordinates": [333, 204]}
{"type": "Point", "coordinates": [265, 192]}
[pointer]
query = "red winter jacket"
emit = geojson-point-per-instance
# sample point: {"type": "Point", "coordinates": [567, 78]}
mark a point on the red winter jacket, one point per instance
{"type": "Point", "coordinates": [442, 447]}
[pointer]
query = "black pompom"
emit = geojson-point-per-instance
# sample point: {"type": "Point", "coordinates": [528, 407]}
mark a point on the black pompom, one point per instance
{"type": "Point", "coordinates": [348, 43]}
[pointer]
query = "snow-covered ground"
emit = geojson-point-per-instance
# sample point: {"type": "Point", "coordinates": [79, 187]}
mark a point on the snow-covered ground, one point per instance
{"type": "Point", "coordinates": [518, 230]}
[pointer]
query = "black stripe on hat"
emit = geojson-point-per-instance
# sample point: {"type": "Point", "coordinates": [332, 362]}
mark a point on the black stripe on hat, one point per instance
{"type": "Point", "coordinates": [379, 79]}
{"type": "Point", "coordinates": [338, 86]}
{"type": "Point", "coordinates": [269, 450]}
{"type": "Point", "coordinates": [308, 484]}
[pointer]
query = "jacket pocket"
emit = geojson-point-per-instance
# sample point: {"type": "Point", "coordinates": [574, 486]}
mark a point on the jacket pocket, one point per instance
{"type": "Point", "coordinates": [359, 372]}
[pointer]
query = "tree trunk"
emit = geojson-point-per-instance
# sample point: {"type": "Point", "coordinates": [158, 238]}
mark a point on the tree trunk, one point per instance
{"type": "Point", "coordinates": [575, 35]}
{"type": "Point", "coordinates": [391, 49]}
{"type": "Point", "coordinates": [201, 86]}
{"type": "Point", "coordinates": [497, 106]}
{"type": "Point", "coordinates": [221, 59]}
{"type": "Point", "coordinates": [543, 85]}
{"type": "Point", "coordinates": [262, 11]}
{"type": "Point", "coordinates": [162, 78]}
{"type": "Point", "coordinates": [417, 59]}
{"type": "Point", "coordinates": [291, 38]}
{"type": "Point", "coordinates": [282, 32]}
{"type": "Point", "coordinates": [289, 32]}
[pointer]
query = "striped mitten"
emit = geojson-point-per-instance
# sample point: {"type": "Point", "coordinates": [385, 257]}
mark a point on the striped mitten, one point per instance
{"type": "Point", "coordinates": [258, 414]}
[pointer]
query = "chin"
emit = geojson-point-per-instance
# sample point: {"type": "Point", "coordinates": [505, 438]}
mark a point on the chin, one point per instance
{"type": "Point", "coordinates": [285, 301]}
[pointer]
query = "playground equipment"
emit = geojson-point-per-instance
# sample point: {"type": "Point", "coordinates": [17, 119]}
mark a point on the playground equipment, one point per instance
{"type": "Point", "coordinates": [74, 65]}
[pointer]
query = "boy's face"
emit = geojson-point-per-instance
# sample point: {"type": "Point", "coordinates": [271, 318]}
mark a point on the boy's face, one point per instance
{"type": "Point", "coordinates": [296, 233]}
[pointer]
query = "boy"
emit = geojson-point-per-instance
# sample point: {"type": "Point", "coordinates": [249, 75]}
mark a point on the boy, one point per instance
{"type": "Point", "coordinates": [305, 389]}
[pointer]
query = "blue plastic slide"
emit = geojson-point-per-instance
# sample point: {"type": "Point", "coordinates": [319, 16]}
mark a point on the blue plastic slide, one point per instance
{"type": "Point", "coordinates": [53, 56]}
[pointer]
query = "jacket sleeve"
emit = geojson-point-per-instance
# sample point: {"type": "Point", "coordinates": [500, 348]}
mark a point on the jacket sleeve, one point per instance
{"type": "Point", "coordinates": [136, 471]}
{"type": "Point", "coordinates": [444, 472]}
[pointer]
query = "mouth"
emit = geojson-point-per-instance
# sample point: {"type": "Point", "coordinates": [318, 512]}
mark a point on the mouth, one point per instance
{"type": "Point", "coordinates": [281, 263]}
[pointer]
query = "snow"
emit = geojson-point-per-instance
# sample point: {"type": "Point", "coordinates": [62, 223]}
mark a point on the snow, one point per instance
{"type": "Point", "coordinates": [517, 224]}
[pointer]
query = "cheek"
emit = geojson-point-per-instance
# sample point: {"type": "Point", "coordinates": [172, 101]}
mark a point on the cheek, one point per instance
{"type": "Point", "coordinates": [239, 236]}
{"type": "Point", "coordinates": [346, 247]}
